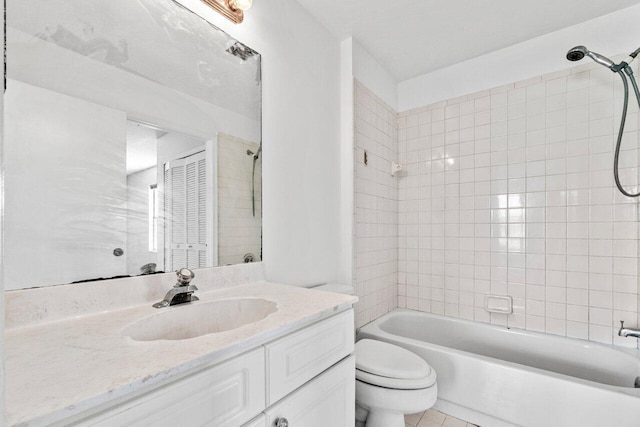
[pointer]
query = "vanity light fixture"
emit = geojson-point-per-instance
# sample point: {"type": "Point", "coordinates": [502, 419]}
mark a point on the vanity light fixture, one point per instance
{"type": "Point", "coordinates": [233, 10]}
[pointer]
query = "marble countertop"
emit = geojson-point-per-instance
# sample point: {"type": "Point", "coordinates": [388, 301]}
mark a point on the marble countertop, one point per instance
{"type": "Point", "coordinates": [59, 369]}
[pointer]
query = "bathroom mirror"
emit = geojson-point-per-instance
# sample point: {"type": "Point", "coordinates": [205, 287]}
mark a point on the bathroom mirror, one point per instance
{"type": "Point", "coordinates": [131, 142]}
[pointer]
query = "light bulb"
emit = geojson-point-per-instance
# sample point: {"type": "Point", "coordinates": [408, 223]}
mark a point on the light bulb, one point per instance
{"type": "Point", "coordinates": [240, 4]}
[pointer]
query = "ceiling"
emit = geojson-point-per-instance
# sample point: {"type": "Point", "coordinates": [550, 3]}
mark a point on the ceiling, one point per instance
{"type": "Point", "coordinates": [415, 37]}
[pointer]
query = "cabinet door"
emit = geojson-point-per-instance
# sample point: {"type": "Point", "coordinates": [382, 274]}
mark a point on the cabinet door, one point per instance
{"type": "Point", "coordinates": [226, 395]}
{"type": "Point", "coordinates": [327, 400]}
{"type": "Point", "coordinates": [299, 357]}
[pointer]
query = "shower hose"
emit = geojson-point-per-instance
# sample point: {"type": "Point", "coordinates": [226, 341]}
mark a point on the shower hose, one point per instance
{"type": "Point", "coordinates": [627, 69]}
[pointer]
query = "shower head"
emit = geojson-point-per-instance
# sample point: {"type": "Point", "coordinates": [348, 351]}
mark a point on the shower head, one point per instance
{"type": "Point", "coordinates": [576, 53]}
{"type": "Point", "coordinates": [579, 52]}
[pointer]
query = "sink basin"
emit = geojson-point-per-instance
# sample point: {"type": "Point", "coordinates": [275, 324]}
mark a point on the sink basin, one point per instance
{"type": "Point", "coordinates": [181, 322]}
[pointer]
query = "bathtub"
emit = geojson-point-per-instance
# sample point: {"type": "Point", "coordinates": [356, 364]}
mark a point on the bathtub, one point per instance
{"type": "Point", "coordinates": [495, 376]}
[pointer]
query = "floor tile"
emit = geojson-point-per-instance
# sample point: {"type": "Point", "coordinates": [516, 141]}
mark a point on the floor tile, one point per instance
{"type": "Point", "coordinates": [453, 422]}
{"type": "Point", "coordinates": [413, 419]}
{"type": "Point", "coordinates": [428, 423]}
{"type": "Point", "coordinates": [435, 416]}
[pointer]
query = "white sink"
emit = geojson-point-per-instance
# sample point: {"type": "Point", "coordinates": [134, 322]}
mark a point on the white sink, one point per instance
{"type": "Point", "coordinates": [195, 319]}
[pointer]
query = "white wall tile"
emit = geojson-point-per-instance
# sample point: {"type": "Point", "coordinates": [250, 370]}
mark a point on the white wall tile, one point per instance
{"type": "Point", "coordinates": [522, 201]}
{"type": "Point", "coordinates": [376, 219]}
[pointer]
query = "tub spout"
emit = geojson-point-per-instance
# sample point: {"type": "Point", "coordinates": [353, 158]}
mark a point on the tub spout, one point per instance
{"type": "Point", "coordinates": [628, 332]}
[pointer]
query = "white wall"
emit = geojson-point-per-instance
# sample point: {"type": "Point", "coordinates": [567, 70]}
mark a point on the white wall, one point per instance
{"type": "Point", "coordinates": [523, 130]}
{"type": "Point", "coordinates": [369, 211]}
{"type": "Point", "coordinates": [137, 248]}
{"type": "Point", "coordinates": [374, 76]}
{"type": "Point", "coordinates": [172, 145]}
{"type": "Point", "coordinates": [239, 230]}
{"type": "Point", "coordinates": [510, 191]}
{"type": "Point", "coordinates": [138, 98]}
{"type": "Point", "coordinates": [356, 63]}
{"type": "Point", "coordinates": [345, 266]}
{"type": "Point", "coordinates": [65, 188]}
{"type": "Point", "coordinates": [301, 134]}
{"type": "Point", "coordinates": [376, 206]}
{"type": "Point", "coordinates": [609, 35]}
{"type": "Point", "coordinates": [46, 65]}
{"type": "Point", "coordinates": [301, 137]}
{"type": "Point", "coordinates": [2, 310]}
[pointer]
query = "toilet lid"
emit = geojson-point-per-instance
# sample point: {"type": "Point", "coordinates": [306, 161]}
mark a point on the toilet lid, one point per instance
{"type": "Point", "coordinates": [390, 361]}
{"type": "Point", "coordinates": [394, 383]}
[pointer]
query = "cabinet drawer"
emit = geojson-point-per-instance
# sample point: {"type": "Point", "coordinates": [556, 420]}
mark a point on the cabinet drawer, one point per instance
{"type": "Point", "coordinates": [328, 400]}
{"type": "Point", "coordinates": [225, 395]}
{"type": "Point", "coordinates": [261, 421]}
{"type": "Point", "coordinates": [296, 358]}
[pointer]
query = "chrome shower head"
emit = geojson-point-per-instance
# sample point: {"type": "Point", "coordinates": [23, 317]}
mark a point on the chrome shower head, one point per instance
{"type": "Point", "coordinates": [576, 53]}
{"type": "Point", "coordinates": [579, 52]}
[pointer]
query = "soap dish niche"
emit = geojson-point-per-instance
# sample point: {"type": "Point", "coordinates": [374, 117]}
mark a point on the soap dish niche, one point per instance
{"type": "Point", "coordinates": [498, 304]}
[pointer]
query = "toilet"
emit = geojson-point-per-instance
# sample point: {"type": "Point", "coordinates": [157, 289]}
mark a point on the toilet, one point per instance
{"type": "Point", "coordinates": [391, 382]}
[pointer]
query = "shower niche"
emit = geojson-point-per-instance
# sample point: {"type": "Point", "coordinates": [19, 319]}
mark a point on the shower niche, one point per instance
{"type": "Point", "coordinates": [131, 142]}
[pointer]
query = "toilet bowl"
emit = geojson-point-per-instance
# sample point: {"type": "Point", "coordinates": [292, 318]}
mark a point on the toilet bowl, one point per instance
{"type": "Point", "coordinates": [391, 382]}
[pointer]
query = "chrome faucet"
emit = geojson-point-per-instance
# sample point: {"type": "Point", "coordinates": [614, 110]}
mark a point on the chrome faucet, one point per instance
{"type": "Point", "coordinates": [628, 332]}
{"type": "Point", "coordinates": [182, 291]}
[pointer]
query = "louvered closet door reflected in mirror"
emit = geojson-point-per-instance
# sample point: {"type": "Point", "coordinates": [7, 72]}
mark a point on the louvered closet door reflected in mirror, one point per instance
{"type": "Point", "coordinates": [185, 213]}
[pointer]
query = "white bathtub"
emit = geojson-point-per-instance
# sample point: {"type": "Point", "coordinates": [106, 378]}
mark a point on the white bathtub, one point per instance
{"type": "Point", "coordinates": [494, 376]}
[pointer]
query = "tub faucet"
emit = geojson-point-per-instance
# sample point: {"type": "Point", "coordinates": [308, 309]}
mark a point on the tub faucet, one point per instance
{"type": "Point", "coordinates": [628, 332]}
{"type": "Point", "coordinates": [182, 291]}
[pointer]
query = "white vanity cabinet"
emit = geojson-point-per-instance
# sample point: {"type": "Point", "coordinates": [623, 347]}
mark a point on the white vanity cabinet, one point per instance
{"type": "Point", "coordinates": [327, 400]}
{"type": "Point", "coordinates": [225, 395]}
{"type": "Point", "coordinates": [296, 358]}
{"type": "Point", "coordinates": [306, 377]}
{"type": "Point", "coordinates": [261, 421]}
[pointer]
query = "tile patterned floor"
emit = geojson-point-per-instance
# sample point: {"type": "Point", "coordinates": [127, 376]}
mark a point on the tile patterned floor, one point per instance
{"type": "Point", "coordinates": [434, 418]}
